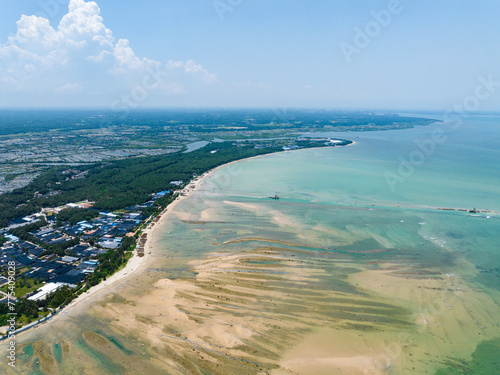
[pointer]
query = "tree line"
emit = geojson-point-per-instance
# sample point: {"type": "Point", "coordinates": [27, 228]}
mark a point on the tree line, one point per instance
{"type": "Point", "coordinates": [119, 184]}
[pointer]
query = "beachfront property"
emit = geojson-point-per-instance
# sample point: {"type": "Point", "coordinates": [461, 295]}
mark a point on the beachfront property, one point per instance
{"type": "Point", "coordinates": [110, 242]}
{"type": "Point", "coordinates": [45, 290]}
{"type": "Point", "coordinates": [80, 245]}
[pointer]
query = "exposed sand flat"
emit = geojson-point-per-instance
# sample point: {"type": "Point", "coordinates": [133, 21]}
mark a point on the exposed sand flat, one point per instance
{"type": "Point", "coordinates": [334, 352]}
{"type": "Point", "coordinates": [446, 311]}
{"type": "Point", "coordinates": [264, 304]}
{"type": "Point", "coordinates": [255, 208]}
{"type": "Point", "coordinates": [135, 265]}
{"type": "Point", "coordinates": [260, 239]}
{"type": "Point", "coordinates": [242, 316]}
{"type": "Point", "coordinates": [278, 311]}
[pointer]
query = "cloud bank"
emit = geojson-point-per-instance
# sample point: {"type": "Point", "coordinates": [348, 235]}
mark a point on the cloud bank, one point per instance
{"type": "Point", "coordinates": [80, 56]}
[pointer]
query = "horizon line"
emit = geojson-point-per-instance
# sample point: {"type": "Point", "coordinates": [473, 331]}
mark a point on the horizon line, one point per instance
{"type": "Point", "coordinates": [233, 108]}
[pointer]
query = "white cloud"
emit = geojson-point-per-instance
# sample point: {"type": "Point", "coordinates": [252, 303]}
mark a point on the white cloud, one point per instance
{"type": "Point", "coordinates": [81, 50]}
{"type": "Point", "coordinates": [126, 59]}
{"type": "Point", "coordinates": [191, 67]}
{"type": "Point", "coordinates": [33, 31]}
{"type": "Point", "coordinates": [174, 64]}
{"type": "Point", "coordinates": [100, 57]}
{"type": "Point", "coordinates": [83, 22]}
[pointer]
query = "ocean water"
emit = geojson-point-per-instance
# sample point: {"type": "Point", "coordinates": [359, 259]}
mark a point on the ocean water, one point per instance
{"type": "Point", "coordinates": [369, 263]}
{"type": "Point", "coordinates": [462, 172]}
{"type": "Point", "coordinates": [407, 192]}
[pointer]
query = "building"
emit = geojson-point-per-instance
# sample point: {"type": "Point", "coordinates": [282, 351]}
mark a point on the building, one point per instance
{"type": "Point", "coordinates": [45, 290]}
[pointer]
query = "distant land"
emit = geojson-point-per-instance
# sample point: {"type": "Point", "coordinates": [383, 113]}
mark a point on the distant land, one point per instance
{"type": "Point", "coordinates": [75, 223]}
{"type": "Point", "coordinates": [77, 184]}
{"type": "Point", "coordinates": [34, 139]}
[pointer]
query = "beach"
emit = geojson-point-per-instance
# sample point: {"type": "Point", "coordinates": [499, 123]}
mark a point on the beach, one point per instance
{"type": "Point", "coordinates": [234, 282]}
{"type": "Point", "coordinates": [136, 263]}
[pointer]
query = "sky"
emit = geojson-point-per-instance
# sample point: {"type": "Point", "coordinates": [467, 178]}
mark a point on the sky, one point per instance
{"type": "Point", "coordinates": [392, 54]}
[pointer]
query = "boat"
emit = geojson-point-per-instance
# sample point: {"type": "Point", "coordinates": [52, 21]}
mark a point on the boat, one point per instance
{"type": "Point", "coordinates": [275, 197]}
{"type": "Point", "coordinates": [474, 211]}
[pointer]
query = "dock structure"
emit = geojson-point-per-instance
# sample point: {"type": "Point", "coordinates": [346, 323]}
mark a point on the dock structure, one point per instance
{"type": "Point", "coordinates": [142, 240]}
{"type": "Point", "coordinates": [142, 243]}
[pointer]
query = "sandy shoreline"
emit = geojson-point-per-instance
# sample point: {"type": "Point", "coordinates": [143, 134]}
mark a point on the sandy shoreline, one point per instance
{"type": "Point", "coordinates": [133, 265]}
{"type": "Point", "coordinates": [137, 263]}
{"type": "Point", "coordinates": [268, 308]}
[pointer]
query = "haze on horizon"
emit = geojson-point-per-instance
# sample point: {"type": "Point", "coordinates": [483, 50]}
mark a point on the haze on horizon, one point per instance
{"type": "Point", "coordinates": [396, 54]}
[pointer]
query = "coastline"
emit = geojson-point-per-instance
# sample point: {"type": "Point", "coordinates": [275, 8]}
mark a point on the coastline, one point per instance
{"type": "Point", "coordinates": [213, 314]}
{"type": "Point", "coordinates": [136, 263]}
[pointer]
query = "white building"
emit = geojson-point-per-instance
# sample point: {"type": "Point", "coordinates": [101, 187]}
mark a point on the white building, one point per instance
{"type": "Point", "coordinates": [45, 290]}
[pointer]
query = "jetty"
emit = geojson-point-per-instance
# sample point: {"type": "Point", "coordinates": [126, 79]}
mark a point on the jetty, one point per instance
{"type": "Point", "coordinates": [142, 243]}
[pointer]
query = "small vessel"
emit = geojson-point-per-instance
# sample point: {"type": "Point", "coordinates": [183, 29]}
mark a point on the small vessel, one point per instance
{"type": "Point", "coordinates": [275, 197]}
{"type": "Point", "coordinates": [474, 211]}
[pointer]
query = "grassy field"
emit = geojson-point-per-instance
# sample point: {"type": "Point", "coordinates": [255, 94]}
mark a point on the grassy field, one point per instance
{"type": "Point", "coordinates": [23, 287]}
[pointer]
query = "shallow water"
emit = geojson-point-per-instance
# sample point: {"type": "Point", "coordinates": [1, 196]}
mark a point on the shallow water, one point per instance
{"type": "Point", "coordinates": [345, 273]}
{"type": "Point", "coordinates": [338, 204]}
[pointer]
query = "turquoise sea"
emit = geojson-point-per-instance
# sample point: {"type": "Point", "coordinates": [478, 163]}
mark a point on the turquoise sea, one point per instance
{"type": "Point", "coordinates": [383, 192]}
{"type": "Point", "coordinates": [369, 263]}
{"type": "Point", "coordinates": [461, 171]}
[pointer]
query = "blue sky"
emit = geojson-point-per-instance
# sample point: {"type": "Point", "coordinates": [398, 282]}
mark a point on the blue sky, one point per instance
{"type": "Point", "coordinates": [250, 53]}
